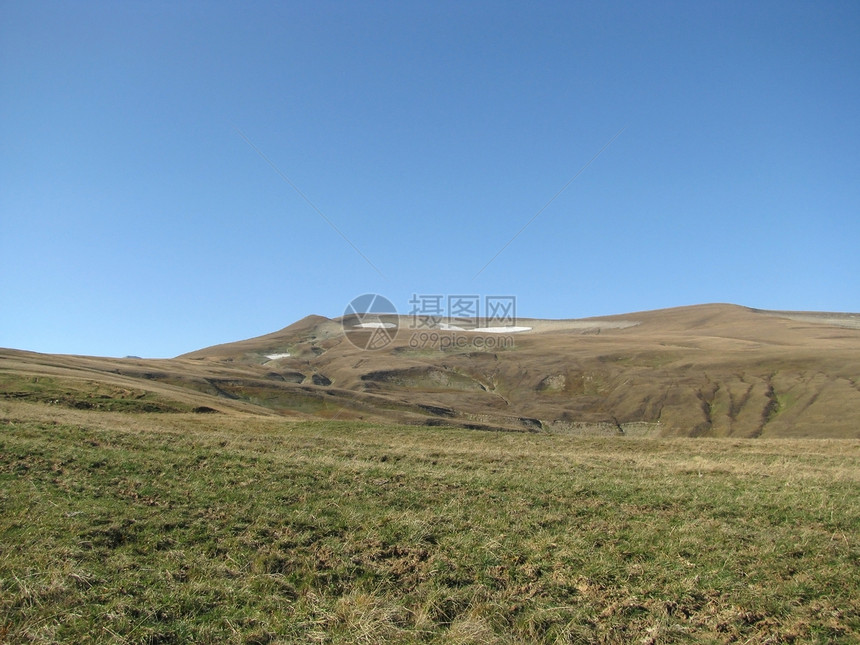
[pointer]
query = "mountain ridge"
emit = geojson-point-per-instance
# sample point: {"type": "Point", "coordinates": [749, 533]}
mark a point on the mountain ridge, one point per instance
{"type": "Point", "coordinates": [702, 370]}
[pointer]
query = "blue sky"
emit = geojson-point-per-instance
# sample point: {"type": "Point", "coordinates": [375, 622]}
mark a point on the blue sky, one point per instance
{"type": "Point", "coordinates": [136, 217]}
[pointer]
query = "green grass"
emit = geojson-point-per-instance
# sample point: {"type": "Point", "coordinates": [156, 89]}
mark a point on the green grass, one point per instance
{"type": "Point", "coordinates": [182, 529]}
{"type": "Point", "coordinates": [84, 394]}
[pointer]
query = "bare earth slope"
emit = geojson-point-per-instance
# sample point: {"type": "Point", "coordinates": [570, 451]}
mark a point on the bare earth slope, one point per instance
{"type": "Point", "coordinates": [707, 370]}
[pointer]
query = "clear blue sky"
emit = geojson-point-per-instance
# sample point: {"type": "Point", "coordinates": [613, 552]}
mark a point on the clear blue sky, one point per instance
{"type": "Point", "coordinates": [136, 219]}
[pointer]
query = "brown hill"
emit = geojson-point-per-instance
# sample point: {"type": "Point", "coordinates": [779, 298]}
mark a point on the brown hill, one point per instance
{"type": "Point", "coordinates": [707, 370]}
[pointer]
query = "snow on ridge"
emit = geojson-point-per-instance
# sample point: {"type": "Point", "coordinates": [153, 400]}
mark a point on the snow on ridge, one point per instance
{"type": "Point", "coordinates": [485, 330]}
{"type": "Point", "coordinates": [501, 330]}
{"type": "Point", "coordinates": [376, 325]}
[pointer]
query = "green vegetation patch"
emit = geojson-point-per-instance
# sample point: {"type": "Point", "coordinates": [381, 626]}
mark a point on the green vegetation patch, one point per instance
{"type": "Point", "coordinates": [191, 529]}
{"type": "Point", "coordinates": [84, 395]}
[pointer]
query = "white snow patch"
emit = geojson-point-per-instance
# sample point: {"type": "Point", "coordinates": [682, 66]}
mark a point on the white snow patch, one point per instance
{"type": "Point", "coordinates": [274, 357]}
{"type": "Point", "coordinates": [485, 330]}
{"type": "Point", "coordinates": [376, 325]}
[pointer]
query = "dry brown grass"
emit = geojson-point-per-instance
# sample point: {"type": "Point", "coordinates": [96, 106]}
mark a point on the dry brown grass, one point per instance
{"type": "Point", "coordinates": [711, 371]}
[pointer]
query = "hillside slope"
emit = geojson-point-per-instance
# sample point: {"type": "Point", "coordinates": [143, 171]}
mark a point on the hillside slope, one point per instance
{"type": "Point", "coordinates": [707, 370]}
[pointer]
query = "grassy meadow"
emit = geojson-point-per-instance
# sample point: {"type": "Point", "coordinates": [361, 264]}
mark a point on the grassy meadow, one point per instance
{"type": "Point", "coordinates": [156, 528]}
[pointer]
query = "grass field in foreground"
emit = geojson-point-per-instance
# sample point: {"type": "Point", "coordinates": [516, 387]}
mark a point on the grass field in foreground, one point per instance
{"type": "Point", "coordinates": [161, 528]}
